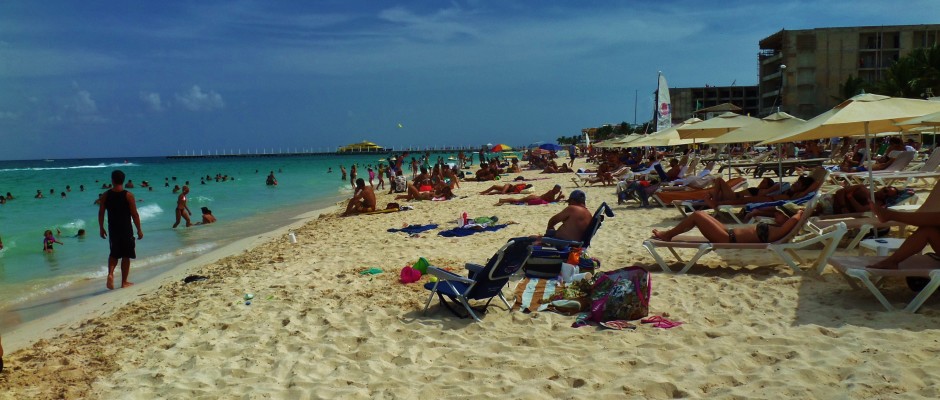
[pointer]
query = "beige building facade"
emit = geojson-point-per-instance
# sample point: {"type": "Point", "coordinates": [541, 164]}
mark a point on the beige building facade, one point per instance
{"type": "Point", "coordinates": [800, 71]}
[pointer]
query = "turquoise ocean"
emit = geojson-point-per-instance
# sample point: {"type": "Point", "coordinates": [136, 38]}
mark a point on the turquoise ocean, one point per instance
{"type": "Point", "coordinates": [34, 284]}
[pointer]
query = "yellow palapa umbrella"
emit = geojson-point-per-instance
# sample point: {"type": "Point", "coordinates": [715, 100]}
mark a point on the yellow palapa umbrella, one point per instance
{"type": "Point", "coordinates": [716, 126]}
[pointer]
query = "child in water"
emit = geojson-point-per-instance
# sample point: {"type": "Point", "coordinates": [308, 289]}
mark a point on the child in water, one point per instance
{"type": "Point", "coordinates": [48, 240]}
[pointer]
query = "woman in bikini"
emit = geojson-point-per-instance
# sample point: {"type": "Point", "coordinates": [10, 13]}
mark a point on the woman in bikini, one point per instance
{"type": "Point", "coordinates": [784, 221]}
{"type": "Point", "coordinates": [182, 209]}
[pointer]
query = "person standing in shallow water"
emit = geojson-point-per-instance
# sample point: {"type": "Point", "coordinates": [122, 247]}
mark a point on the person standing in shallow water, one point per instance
{"type": "Point", "coordinates": [182, 208]}
{"type": "Point", "coordinates": [121, 208]}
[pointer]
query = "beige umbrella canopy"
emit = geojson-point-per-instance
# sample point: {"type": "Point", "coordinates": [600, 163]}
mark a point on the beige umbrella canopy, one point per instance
{"type": "Point", "coordinates": [666, 137]}
{"type": "Point", "coordinates": [626, 140]}
{"type": "Point", "coordinates": [922, 121]}
{"type": "Point", "coordinates": [716, 126]}
{"type": "Point", "coordinates": [610, 143]}
{"type": "Point", "coordinates": [768, 127]}
{"type": "Point", "coordinates": [860, 115]}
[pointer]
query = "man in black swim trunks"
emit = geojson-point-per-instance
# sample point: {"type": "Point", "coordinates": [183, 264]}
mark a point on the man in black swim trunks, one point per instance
{"type": "Point", "coordinates": [122, 209]}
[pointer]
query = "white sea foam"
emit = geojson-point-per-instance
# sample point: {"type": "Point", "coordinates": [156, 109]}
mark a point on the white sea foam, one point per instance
{"type": "Point", "coordinates": [149, 212]}
{"type": "Point", "coordinates": [102, 165]}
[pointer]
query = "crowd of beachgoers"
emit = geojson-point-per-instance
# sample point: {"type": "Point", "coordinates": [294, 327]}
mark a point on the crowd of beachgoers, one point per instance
{"type": "Point", "coordinates": [326, 312]}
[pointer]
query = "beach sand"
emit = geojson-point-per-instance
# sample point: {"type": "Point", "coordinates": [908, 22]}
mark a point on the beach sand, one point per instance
{"type": "Point", "coordinates": [317, 328]}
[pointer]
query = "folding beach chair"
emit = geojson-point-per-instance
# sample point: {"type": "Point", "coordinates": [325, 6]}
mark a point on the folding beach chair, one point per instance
{"type": "Point", "coordinates": [482, 282]}
{"type": "Point", "coordinates": [923, 266]}
{"type": "Point", "coordinates": [545, 261]}
{"type": "Point", "coordinates": [785, 248]}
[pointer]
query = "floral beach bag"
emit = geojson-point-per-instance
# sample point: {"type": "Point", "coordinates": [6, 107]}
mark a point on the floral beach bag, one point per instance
{"type": "Point", "coordinates": [622, 294]}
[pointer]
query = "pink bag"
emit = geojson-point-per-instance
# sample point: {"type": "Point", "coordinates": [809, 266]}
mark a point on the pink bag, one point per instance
{"type": "Point", "coordinates": [410, 275]}
{"type": "Point", "coordinates": [622, 294]}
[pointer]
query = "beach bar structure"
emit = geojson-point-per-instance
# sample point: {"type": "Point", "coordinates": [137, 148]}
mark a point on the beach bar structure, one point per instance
{"type": "Point", "coordinates": [362, 147]}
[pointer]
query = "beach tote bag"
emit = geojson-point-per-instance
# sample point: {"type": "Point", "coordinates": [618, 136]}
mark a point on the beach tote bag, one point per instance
{"type": "Point", "coordinates": [622, 294]}
{"type": "Point", "coordinates": [401, 184]}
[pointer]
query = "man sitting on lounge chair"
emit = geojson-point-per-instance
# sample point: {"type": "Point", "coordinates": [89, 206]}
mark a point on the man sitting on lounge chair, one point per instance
{"type": "Point", "coordinates": [574, 219]}
{"type": "Point", "coordinates": [928, 232]}
{"type": "Point", "coordinates": [785, 219]}
{"type": "Point", "coordinates": [550, 196]}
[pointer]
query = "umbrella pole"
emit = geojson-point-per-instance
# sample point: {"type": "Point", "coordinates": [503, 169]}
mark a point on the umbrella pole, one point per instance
{"type": "Point", "coordinates": [780, 163]}
{"type": "Point", "coordinates": [871, 176]}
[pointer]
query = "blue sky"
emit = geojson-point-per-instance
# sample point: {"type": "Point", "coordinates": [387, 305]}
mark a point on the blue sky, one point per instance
{"type": "Point", "coordinates": [125, 79]}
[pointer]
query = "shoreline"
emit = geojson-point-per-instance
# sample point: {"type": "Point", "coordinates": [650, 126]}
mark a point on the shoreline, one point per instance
{"type": "Point", "coordinates": [27, 333]}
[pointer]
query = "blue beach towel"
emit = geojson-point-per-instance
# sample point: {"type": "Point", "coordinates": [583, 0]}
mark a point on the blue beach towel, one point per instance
{"type": "Point", "coordinates": [461, 232]}
{"type": "Point", "coordinates": [414, 228]}
{"type": "Point", "coordinates": [800, 201]}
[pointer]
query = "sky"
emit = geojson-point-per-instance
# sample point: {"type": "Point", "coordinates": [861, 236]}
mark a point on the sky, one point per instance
{"type": "Point", "coordinates": [129, 79]}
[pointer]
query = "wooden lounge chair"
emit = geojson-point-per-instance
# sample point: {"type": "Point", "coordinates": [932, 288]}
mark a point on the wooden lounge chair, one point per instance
{"type": "Point", "coordinates": [854, 269]}
{"type": "Point", "coordinates": [785, 248]}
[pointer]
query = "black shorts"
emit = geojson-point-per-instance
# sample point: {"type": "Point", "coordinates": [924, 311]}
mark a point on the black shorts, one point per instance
{"type": "Point", "coordinates": [122, 246]}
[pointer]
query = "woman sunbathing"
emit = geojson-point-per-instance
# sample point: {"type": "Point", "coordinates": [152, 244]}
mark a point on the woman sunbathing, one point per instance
{"type": "Point", "coordinates": [928, 232]}
{"type": "Point", "coordinates": [507, 188]}
{"type": "Point", "coordinates": [550, 196]}
{"type": "Point", "coordinates": [442, 193]}
{"type": "Point", "coordinates": [803, 186]}
{"type": "Point", "coordinates": [785, 219]}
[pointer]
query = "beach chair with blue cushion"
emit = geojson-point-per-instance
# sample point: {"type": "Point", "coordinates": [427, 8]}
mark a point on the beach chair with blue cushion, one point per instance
{"type": "Point", "coordinates": [545, 260]}
{"type": "Point", "coordinates": [483, 282]}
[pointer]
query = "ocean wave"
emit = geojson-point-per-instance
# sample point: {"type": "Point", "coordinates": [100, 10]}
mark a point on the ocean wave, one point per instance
{"type": "Point", "coordinates": [202, 199]}
{"type": "Point", "coordinates": [102, 165]}
{"type": "Point", "coordinates": [149, 211]}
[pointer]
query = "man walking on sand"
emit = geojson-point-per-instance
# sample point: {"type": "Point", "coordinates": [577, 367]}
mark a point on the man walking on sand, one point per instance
{"type": "Point", "coordinates": [122, 209]}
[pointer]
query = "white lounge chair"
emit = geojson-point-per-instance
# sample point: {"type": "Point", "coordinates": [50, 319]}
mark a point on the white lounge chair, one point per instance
{"type": "Point", "coordinates": [785, 248]}
{"type": "Point", "coordinates": [854, 268]}
{"type": "Point", "coordinates": [899, 164]}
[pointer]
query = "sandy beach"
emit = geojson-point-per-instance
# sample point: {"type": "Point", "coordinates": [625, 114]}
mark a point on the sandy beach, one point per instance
{"type": "Point", "coordinates": [317, 328]}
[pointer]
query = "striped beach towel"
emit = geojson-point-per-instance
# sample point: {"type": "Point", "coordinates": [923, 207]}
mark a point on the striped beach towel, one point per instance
{"type": "Point", "coordinates": [534, 294]}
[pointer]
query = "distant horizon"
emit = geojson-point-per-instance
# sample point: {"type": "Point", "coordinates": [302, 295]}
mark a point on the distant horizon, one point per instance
{"type": "Point", "coordinates": [146, 80]}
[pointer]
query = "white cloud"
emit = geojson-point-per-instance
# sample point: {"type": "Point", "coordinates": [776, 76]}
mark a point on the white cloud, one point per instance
{"type": "Point", "coordinates": [197, 100]}
{"type": "Point", "coordinates": [152, 100]}
{"type": "Point", "coordinates": [82, 103]}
